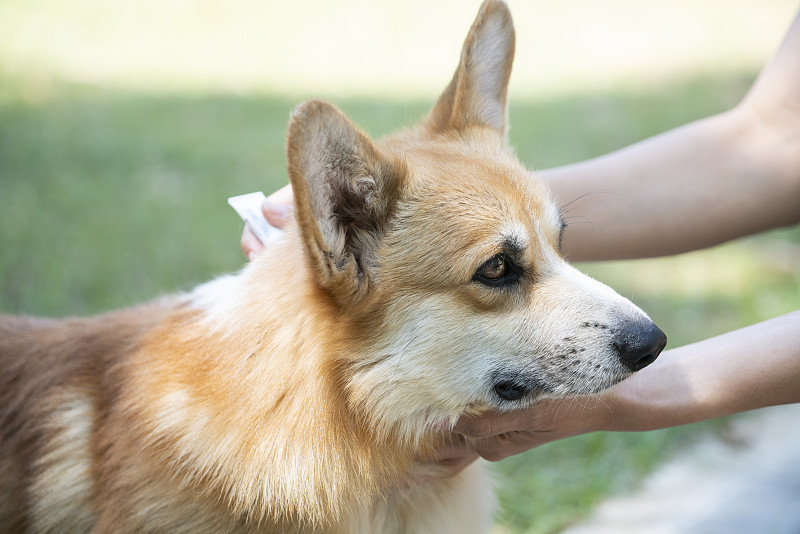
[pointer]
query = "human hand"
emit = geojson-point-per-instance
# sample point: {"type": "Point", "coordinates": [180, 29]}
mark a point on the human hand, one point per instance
{"type": "Point", "coordinates": [451, 458]}
{"type": "Point", "coordinates": [276, 209]}
{"type": "Point", "coordinates": [495, 436]}
{"type": "Point", "coordinates": [498, 435]}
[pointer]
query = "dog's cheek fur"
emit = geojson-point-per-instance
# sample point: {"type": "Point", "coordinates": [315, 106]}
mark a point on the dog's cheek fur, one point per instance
{"type": "Point", "coordinates": [419, 375]}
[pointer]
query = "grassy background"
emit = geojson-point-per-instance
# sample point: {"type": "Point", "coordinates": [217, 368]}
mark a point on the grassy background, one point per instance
{"type": "Point", "coordinates": [115, 166]}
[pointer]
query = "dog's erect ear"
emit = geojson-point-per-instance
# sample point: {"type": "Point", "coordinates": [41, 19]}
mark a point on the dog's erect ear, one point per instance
{"type": "Point", "coordinates": [344, 191]}
{"type": "Point", "coordinates": [477, 93]}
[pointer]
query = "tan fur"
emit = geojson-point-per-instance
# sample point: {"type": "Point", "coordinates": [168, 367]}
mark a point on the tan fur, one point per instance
{"type": "Point", "coordinates": [297, 395]}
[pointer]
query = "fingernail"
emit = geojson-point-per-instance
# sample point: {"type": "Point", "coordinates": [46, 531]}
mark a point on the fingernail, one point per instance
{"type": "Point", "coordinates": [277, 210]}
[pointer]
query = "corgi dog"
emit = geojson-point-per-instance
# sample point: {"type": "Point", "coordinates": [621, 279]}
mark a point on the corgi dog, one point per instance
{"type": "Point", "coordinates": [421, 279]}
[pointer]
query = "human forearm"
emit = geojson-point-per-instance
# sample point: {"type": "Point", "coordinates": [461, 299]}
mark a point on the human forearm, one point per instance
{"type": "Point", "coordinates": [742, 370]}
{"type": "Point", "coordinates": [689, 188]}
{"type": "Point", "coordinates": [733, 174]}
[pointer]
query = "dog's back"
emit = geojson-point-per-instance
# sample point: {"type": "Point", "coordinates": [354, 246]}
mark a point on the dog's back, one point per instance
{"type": "Point", "coordinates": [52, 390]}
{"type": "Point", "coordinates": [21, 388]}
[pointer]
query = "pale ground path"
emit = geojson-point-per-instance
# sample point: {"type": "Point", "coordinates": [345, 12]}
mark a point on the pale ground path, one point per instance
{"type": "Point", "coordinates": [748, 483]}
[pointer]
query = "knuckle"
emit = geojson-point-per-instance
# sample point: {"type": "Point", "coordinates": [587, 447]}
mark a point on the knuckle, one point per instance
{"type": "Point", "coordinates": [494, 455]}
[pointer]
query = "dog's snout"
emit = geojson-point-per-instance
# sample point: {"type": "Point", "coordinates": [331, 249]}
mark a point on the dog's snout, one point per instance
{"type": "Point", "coordinates": [639, 344]}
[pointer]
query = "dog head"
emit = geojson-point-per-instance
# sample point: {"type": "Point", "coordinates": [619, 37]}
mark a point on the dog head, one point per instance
{"type": "Point", "coordinates": [445, 253]}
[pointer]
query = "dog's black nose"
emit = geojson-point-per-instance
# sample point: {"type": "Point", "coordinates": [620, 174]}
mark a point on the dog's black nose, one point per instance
{"type": "Point", "coordinates": [639, 344]}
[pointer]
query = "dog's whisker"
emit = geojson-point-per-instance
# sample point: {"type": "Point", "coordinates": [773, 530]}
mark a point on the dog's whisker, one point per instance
{"type": "Point", "coordinates": [566, 207]}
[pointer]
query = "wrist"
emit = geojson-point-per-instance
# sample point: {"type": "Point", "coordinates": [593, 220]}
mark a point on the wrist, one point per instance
{"type": "Point", "coordinates": [653, 398]}
{"type": "Point", "coordinates": [625, 407]}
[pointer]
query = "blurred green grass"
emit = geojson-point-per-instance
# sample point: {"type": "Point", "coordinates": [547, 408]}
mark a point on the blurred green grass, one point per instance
{"type": "Point", "coordinates": [110, 197]}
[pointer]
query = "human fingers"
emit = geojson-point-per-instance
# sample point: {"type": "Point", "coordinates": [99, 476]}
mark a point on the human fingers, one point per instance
{"type": "Point", "coordinates": [543, 416]}
{"type": "Point", "coordinates": [500, 435]}
{"type": "Point", "coordinates": [492, 423]}
{"type": "Point", "coordinates": [278, 206]}
{"type": "Point", "coordinates": [250, 244]}
{"type": "Point", "coordinates": [445, 468]}
{"type": "Point", "coordinates": [501, 446]}
{"type": "Point", "coordinates": [451, 458]}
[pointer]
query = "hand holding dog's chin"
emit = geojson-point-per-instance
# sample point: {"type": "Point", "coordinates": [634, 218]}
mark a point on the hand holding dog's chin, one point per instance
{"type": "Point", "coordinates": [498, 435]}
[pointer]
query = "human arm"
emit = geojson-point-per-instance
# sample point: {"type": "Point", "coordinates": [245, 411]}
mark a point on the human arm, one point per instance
{"type": "Point", "coordinates": [730, 175]}
{"type": "Point", "coordinates": [750, 368]}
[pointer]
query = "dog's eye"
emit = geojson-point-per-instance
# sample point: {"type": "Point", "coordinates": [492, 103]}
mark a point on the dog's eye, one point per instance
{"type": "Point", "coordinates": [499, 270]}
{"type": "Point", "coordinates": [495, 268]}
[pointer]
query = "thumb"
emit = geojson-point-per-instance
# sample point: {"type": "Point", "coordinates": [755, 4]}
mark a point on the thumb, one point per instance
{"type": "Point", "coordinates": [278, 207]}
{"type": "Point", "coordinates": [488, 424]}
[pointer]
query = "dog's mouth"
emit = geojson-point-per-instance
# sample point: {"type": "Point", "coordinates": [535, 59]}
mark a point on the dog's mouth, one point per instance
{"type": "Point", "coordinates": [507, 388]}
{"type": "Point", "coordinates": [510, 390]}
{"type": "Point", "coordinates": [512, 387]}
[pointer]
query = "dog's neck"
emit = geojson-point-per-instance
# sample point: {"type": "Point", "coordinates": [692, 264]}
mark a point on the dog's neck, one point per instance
{"type": "Point", "coordinates": [259, 353]}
